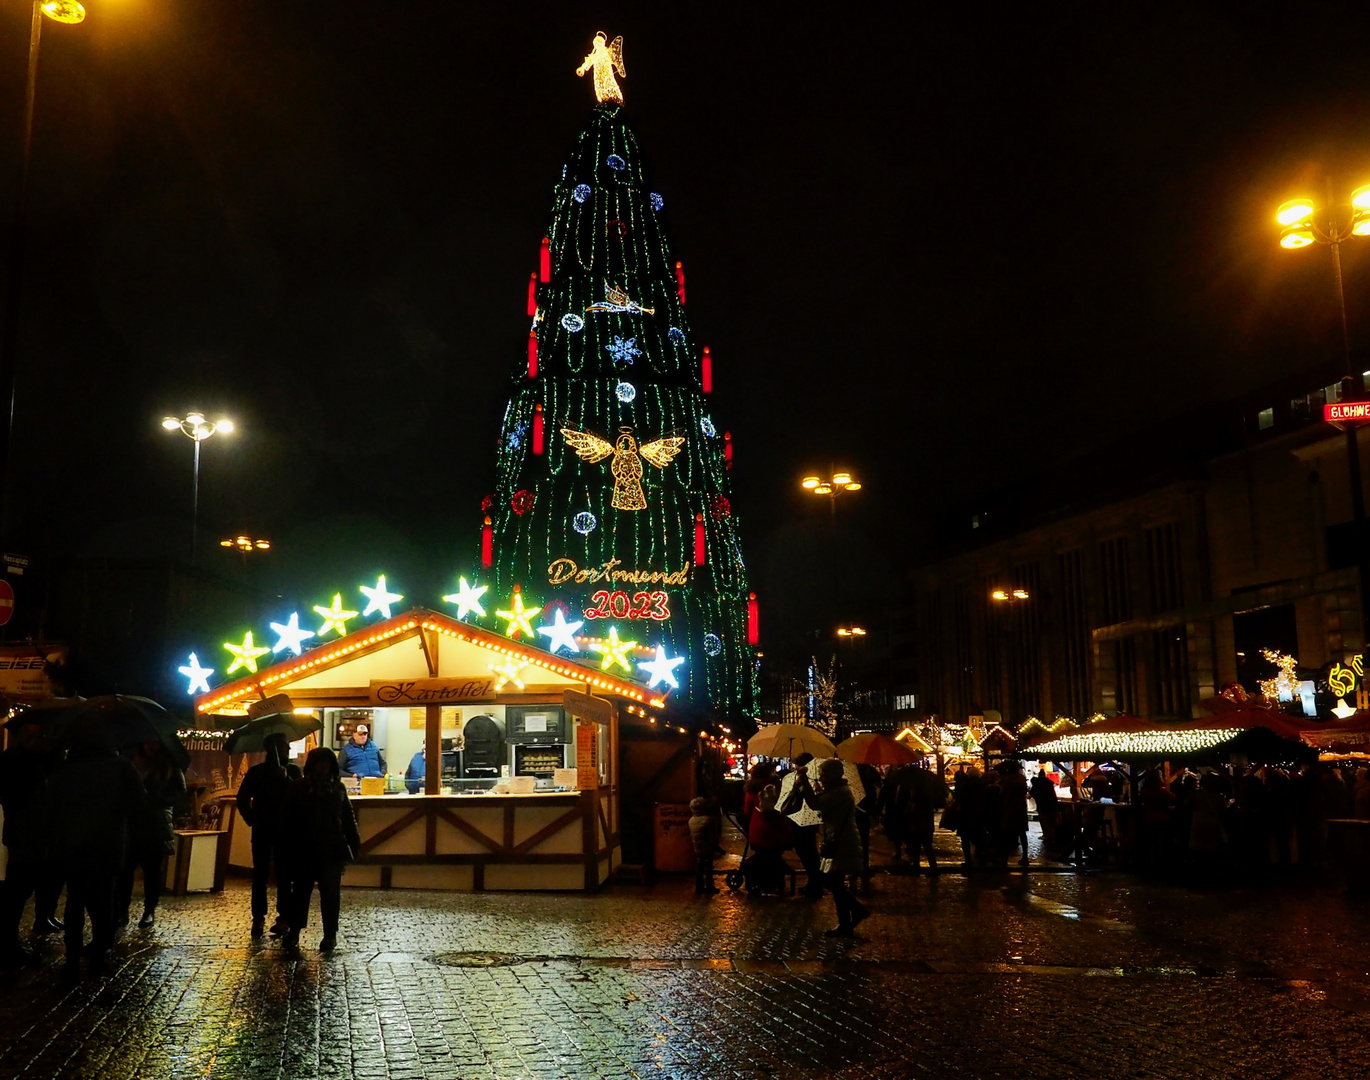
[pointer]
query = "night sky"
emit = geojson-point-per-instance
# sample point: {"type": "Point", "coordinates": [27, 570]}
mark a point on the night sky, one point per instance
{"type": "Point", "coordinates": [944, 250]}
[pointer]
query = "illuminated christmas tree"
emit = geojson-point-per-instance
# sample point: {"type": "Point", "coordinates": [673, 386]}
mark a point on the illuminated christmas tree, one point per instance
{"type": "Point", "coordinates": [612, 506]}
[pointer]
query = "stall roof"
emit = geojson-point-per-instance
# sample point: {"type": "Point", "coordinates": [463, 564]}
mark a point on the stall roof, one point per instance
{"type": "Point", "coordinates": [406, 646]}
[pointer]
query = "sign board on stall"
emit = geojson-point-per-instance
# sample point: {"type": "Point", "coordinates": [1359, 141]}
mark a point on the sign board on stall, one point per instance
{"type": "Point", "coordinates": [465, 688]}
{"type": "Point", "coordinates": [587, 757]}
{"type": "Point", "coordinates": [23, 670]}
{"type": "Point", "coordinates": [1347, 413]}
{"type": "Point", "coordinates": [276, 703]}
{"type": "Point", "coordinates": [586, 707]}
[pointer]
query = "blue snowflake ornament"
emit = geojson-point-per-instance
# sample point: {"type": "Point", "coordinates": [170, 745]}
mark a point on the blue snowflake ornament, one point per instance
{"type": "Point", "coordinates": [515, 437]}
{"type": "Point", "coordinates": [581, 193]}
{"type": "Point", "coordinates": [623, 350]}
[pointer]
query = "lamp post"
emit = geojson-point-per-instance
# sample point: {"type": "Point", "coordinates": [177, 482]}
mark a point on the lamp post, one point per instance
{"type": "Point", "coordinates": [62, 11]}
{"type": "Point", "coordinates": [1008, 599]}
{"type": "Point", "coordinates": [1303, 224]}
{"type": "Point", "coordinates": [838, 482]}
{"type": "Point", "coordinates": [196, 428]}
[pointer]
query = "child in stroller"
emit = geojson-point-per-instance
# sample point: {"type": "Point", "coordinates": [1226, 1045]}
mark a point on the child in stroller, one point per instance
{"type": "Point", "coordinates": [768, 835]}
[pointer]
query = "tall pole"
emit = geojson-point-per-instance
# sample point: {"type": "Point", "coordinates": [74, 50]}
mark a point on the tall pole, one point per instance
{"type": "Point", "coordinates": [195, 503]}
{"type": "Point", "coordinates": [1352, 446]}
{"type": "Point", "coordinates": [9, 331]}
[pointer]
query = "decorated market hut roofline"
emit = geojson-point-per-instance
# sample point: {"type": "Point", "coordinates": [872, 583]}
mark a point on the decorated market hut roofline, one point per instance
{"type": "Point", "coordinates": [425, 660]}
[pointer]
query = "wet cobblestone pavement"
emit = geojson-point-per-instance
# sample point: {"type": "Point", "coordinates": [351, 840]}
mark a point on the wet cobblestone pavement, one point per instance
{"type": "Point", "coordinates": [1024, 975]}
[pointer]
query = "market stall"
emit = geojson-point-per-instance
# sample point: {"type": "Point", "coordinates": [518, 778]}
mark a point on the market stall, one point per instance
{"type": "Point", "coordinates": [517, 750]}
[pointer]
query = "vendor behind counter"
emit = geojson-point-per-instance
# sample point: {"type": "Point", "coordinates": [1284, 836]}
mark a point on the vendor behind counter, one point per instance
{"type": "Point", "coordinates": [361, 756]}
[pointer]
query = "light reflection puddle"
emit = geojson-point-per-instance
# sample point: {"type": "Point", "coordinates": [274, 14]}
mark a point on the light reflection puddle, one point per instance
{"type": "Point", "coordinates": [1065, 911]}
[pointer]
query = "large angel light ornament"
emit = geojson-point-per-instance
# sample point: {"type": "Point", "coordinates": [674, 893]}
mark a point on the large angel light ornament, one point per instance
{"type": "Point", "coordinates": [605, 60]}
{"type": "Point", "coordinates": [626, 466]}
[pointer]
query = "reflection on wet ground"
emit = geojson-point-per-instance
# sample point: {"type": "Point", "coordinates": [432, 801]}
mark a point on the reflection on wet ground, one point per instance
{"type": "Point", "coordinates": [1012, 974]}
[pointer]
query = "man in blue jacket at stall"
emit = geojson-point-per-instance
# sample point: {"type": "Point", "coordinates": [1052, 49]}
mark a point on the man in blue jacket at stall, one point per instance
{"type": "Point", "coordinates": [361, 756]}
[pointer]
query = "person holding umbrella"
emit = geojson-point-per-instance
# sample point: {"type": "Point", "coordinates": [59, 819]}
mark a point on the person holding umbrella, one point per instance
{"type": "Point", "coordinates": [840, 852]}
{"type": "Point", "coordinates": [260, 800]}
{"type": "Point", "coordinates": [319, 838]}
{"type": "Point", "coordinates": [24, 770]}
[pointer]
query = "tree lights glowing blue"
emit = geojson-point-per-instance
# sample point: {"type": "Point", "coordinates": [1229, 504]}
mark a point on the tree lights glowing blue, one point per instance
{"type": "Point", "coordinates": [615, 162]}
{"type": "Point", "coordinates": [624, 350]}
{"type": "Point", "coordinates": [676, 335]}
{"type": "Point", "coordinates": [581, 192]}
{"type": "Point", "coordinates": [585, 523]}
{"type": "Point", "coordinates": [707, 426]}
{"type": "Point", "coordinates": [573, 322]}
{"type": "Point", "coordinates": [625, 391]}
{"type": "Point", "coordinates": [713, 644]}
{"type": "Point", "coordinates": [656, 201]}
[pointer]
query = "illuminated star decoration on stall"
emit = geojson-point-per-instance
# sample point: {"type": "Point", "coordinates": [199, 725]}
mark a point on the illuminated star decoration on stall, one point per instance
{"type": "Point", "coordinates": [379, 598]}
{"type": "Point", "coordinates": [334, 618]}
{"type": "Point", "coordinates": [519, 618]}
{"type": "Point", "coordinates": [290, 635]}
{"type": "Point", "coordinates": [245, 655]}
{"type": "Point", "coordinates": [1341, 710]}
{"type": "Point", "coordinates": [613, 651]}
{"type": "Point", "coordinates": [626, 466]}
{"type": "Point", "coordinates": [662, 669]}
{"type": "Point", "coordinates": [197, 674]}
{"type": "Point", "coordinates": [561, 634]}
{"type": "Point", "coordinates": [508, 672]}
{"type": "Point", "coordinates": [467, 598]}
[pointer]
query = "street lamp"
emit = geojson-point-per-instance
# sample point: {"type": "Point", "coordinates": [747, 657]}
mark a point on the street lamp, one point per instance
{"type": "Point", "coordinates": [1010, 598]}
{"type": "Point", "coordinates": [195, 427]}
{"type": "Point", "coordinates": [1004, 596]}
{"type": "Point", "coordinates": [62, 11]}
{"type": "Point", "coordinates": [1303, 224]}
{"type": "Point", "coordinates": [834, 486]}
{"type": "Point", "coordinates": [246, 544]}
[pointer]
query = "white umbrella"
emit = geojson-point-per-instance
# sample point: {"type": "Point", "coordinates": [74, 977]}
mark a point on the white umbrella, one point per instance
{"type": "Point", "coordinates": [788, 741]}
{"type": "Point", "coordinates": [806, 816]}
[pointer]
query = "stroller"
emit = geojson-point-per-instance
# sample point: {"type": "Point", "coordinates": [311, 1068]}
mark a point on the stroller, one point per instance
{"type": "Point", "coordinates": [761, 871]}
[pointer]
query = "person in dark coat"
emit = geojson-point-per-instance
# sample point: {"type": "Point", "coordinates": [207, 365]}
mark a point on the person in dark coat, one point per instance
{"type": "Point", "coordinates": [969, 795]}
{"type": "Point", "coordinates": [319, 837]}
{"type": "Point", "coordinates": [92, 804]}
{"type": "Point", "coordinates": [261, 799]}
{"type": "Point", "coordinates": [361, 756]}
{"type": "Point", "coordinates": [894, 806]}
{"type": "Point", "coordinates": [1014, 818]}
{"type": "Point", "coordinates": [927, 795]}
{"type": "Point", "coordinates": [24, 770]}
{"type": "Point", "coordinates": [153, 836]}
{"type": "Point", "coordinates": [1044, 797]}
{"type": "Point", "coordinates": [841, 848]}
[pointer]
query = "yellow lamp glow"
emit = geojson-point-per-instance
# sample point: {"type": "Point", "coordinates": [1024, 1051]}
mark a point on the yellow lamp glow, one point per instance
{"type": "Point", "coordinates": [808, 483]}
{"type": "Point", "coordinates": [64, 11]}
{"type": "Point", "coordinates": [1294, 211]}
{"type": "Point", "coordinates": [823, 489]}
{"type": "Point", "coordinates": [999, 594]}
{"type": "Point", "coordinates": [1020, 594]}
{"type": "Point", "coordinates": [1360, 198]}
{"type": "Point", "coordinates": [1360, 224]}
{"type": "Point", "coordinates": [853, 486]}
{"type": "Point", "coordinates": [1296, 238]}
{"type": "Point", "coordinates": [841, 479]}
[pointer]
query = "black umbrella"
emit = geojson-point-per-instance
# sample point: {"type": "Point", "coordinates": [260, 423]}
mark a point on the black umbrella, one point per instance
{"type": "Point", "coordinates": [252, 736]}
{"type": "Point", "coordinates": [124, 720]}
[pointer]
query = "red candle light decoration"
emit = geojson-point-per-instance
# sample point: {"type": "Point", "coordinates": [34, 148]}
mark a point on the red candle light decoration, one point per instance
{"type": "Point", "coordinates": [753, 628]}
{"type": "Point", "coordinates": [545, 260]}
{"type": "Point", "coordinates": [532, 355]}
{"type": "Point", "coordinates": [706, 371]}
{"type": "Point", "coordinates": [532, 294]}
{"type": "Point", "coordinates": [727, 449]}
{"type": "Point", "coordinates": [680, 283]}
{"type": "Point", "coordinates": [487, 544]}
{"type": "Point", "coordinates": [537, 429]}
{"type": "Point", "coordinates": [699, 539]}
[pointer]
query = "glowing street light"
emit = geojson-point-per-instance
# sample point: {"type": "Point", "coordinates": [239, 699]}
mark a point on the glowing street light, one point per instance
{"type": "Point", "coordinates": [194, 426]}
{"type": "Point", "coordinates": [832, 487]}
{"type": "Point", "coordinates": [1009, 596]}
{"type": "Point", "coordinates": [245, 544]}
{"type": "Point", "coordinates": [851, 631]}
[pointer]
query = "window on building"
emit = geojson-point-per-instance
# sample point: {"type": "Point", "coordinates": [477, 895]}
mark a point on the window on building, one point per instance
{"type": "Point", "coordinates": [1265, 418]}
{"type": "Point", "coordinates": [1365, 380]}
{"type": "Point", "coordinates": [906, 701]}
{"type": "Point", "coordinates": [1330, 394]}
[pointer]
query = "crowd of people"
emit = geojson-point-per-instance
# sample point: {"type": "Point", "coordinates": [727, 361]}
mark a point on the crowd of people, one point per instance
{"type": "Point", "coordinates": [88, 818]}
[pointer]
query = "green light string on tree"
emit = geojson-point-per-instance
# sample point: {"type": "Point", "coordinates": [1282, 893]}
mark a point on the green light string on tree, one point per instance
{"type": "Point", "coordinates": [613, 361]}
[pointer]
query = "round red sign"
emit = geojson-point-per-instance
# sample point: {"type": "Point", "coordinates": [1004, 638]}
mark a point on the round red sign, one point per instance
{"type": "Point", "coordinates": [6, 601]}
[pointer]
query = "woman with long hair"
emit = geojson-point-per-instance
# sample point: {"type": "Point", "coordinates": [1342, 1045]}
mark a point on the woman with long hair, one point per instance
{"type": "Point", "coordinates": [319, 837]}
